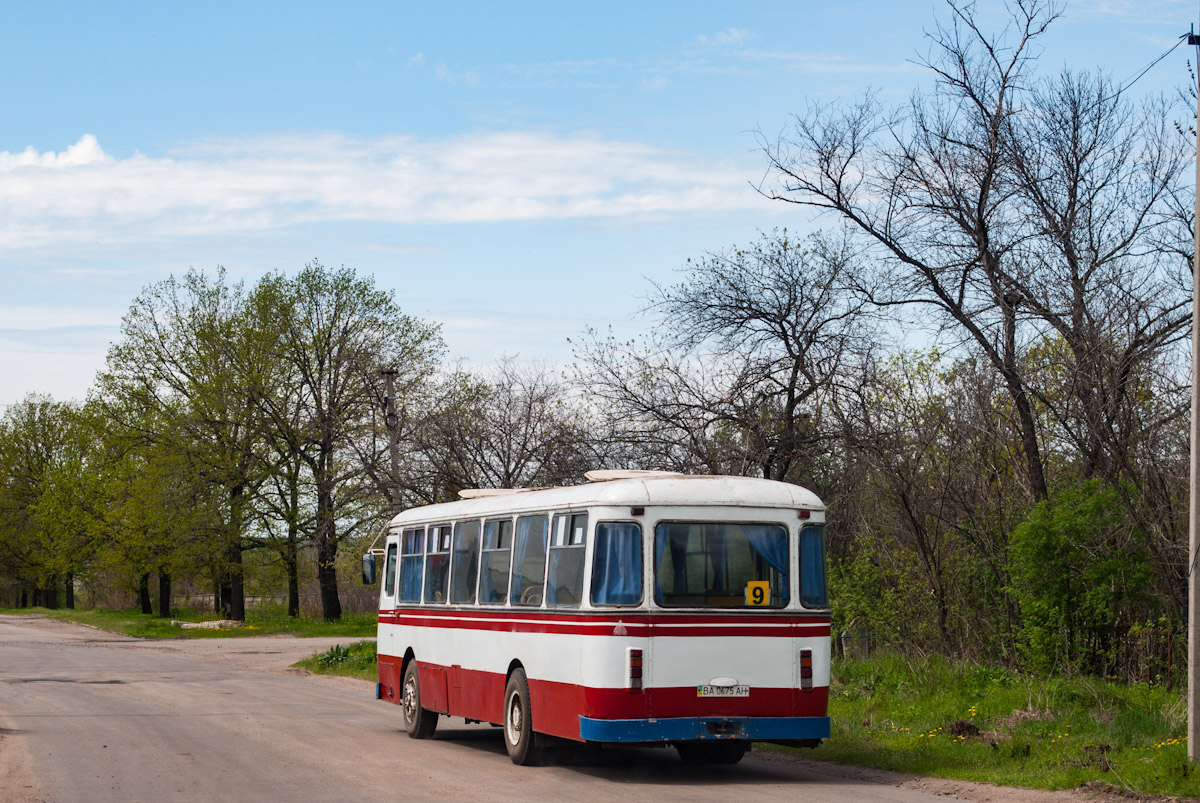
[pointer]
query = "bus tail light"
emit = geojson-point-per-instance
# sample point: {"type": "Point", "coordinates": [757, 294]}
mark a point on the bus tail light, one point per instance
{"type": "Point", "coordinates": [633, 668]}
{"type": "Point", "coordinates": [806, 668]}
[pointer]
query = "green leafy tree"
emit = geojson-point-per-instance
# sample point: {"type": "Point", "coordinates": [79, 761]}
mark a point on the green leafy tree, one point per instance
{"type": "Point", "coordinates": [183, 377]}
{"type": "Point", "coordinates": [1080, 573]}
{"type": "Point", "coordinates": [332, 332]}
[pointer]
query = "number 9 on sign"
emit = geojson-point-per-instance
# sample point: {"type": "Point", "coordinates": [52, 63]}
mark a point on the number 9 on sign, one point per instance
{"type": "Point", "coordinates": [758, 592]}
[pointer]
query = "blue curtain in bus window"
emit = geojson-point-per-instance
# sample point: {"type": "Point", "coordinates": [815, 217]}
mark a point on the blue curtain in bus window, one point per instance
{"type": "Point", "coordinates": [617, 564]}
{"type": "Point", "coordinates": [812, 567]}
{"type": "Point", "coordinates": [411, 569]}
{"type": "Point", "coordinates": [770, 542]}
{"type": "Point", "coordinates": [487, 594]}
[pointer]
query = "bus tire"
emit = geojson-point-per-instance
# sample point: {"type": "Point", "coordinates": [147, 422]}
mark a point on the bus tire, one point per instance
{"type": "Point", "coordinates": [518, 722]}
{"type": "Point", "coordinates": [711, 752]}
{"type": "Point", "coordinates": [419, 722]}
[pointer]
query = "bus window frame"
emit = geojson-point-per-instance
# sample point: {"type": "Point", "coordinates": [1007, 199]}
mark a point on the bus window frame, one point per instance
{"type": "Point", "coordinates": [512, 523]}
{"type": "Point", "coordinates": [453, 573]}
{"type": "Point", "coordinates": [591, 565]}
{"type": "Point", "coordinates": [548, 515]}
{"type": "Point", "coordinates": [551, 548]}
{"type": "Point", "coordinates": [418, 556]}
{"type": "Point", "coordinates": [791, 587]}
{"type": "Point", "coordinates": [391, 565]}
{"type": "Point", "coordinates": [433, 531]}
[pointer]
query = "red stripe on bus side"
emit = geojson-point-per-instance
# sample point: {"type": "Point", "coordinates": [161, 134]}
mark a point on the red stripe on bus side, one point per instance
{"type": "Point", "coordinates": [592, 626]}
{"type": "Point", "coordinates": [611, 616]}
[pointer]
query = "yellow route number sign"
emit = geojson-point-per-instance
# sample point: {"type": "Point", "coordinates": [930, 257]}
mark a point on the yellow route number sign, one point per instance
{"type": "Point", "coordinates": [758, 592]}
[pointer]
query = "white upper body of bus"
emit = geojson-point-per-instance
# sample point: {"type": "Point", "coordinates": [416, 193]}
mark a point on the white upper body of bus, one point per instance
{"type": "Point", "coordinates": [675, 515]}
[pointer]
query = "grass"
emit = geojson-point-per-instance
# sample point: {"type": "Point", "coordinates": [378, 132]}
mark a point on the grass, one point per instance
{"type": "Point", "coordinates": [356, 660]}
{"type": "Point", "coordinates": [934, 716]}
{"type": "Point", "coordinates": [259, 622]}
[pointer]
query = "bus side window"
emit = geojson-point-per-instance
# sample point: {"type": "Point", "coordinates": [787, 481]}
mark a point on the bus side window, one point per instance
{"type": "Point", "coordinates": [437, 564]}
{"type": "Point", "coordinates": [617, 563]}
{"type": "Point", "coordinates": [529, 560]}
{"type": "Point", "coordinates": [412, 564]}
{"type": "Point", "coordinates": [466, 562]}
{"type": "Point", "coordinates": [564, 582]}
{"type": "Point", "coordinates": [389, 576]}
{"type": "Point", "coordinates": [494, 561]}
{"type": "Point", "coordinates": [812, 566]}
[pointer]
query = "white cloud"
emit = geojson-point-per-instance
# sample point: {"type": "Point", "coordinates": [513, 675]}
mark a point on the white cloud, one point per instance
{"type": "Point", "coordinates": [731, 36]}
{"type": "Point", "coordinates": [84, 152]}
{"type": "Point", "coordinates": [86, 196]}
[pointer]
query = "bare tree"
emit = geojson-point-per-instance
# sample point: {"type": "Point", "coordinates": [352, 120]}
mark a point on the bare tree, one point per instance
{"type": "Point", "coordinates": [754, 345]}
{"type": "Point", "coordinates": [1014, 209]}
{"type": "Point", "coordinates": [517, 426]}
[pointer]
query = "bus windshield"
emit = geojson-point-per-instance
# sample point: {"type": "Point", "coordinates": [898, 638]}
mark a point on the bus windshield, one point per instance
{"type": "Point", "coordinates": [721, 565]}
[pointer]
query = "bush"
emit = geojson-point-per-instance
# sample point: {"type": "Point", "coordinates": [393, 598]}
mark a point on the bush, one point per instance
{"type": "Point", "coordinates": [1080, 574]}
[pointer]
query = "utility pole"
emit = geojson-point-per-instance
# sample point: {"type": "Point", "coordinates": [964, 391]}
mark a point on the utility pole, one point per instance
{"type": "Point", "coordinates": [392, 422]}
{"type": "Point", "coordinates": [1193, 728]}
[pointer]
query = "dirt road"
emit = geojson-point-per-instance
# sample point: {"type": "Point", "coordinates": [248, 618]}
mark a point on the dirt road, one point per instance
{"type": "Point", "coordinates": [91, 716]}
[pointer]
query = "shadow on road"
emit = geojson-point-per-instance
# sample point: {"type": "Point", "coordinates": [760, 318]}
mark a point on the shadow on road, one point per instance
{"type": "Point", "coordinates": [643, 765]}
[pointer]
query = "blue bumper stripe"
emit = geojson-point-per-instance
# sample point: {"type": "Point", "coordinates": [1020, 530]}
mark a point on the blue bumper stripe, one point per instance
{"type": "Point", "coordinates": [678, 729]}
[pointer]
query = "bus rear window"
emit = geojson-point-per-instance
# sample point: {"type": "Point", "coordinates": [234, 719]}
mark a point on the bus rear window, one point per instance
{"type": "Point", "coordinates": [721, 565]}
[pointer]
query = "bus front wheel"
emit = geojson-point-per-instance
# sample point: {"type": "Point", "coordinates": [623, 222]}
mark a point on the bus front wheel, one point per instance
{"type": "Point", "coordinates": [518, 724]}
{"type": "Point", "coordinates": [419, 722]}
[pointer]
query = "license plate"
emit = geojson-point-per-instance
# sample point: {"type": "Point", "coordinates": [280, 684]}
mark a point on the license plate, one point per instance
{"type": "Point", "coordinates": [722, 691]}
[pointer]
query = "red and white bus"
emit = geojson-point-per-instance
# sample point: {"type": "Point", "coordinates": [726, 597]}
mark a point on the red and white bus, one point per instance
{"type": "Point", "coordinates": [638, 608]}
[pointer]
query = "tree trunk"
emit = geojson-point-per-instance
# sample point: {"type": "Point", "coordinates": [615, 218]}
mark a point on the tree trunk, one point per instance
{"type": "Point", "coordinates": [293, 573]}
{"type": "Point", "coordinates": [144, 593]}
{"type": "Point", "coordinates": [164, 594]}
{"type": "Point", "coordinates": [237, 592]}
{"type": "Point", "coordinates": [69, 591]}
{"type": "Point", "coordinates": [48, 597]}
{"type": "Point", "coordinates": [291, 556]}
{"type": "Point", "coordinates": [331, 606]}
{"type": "Point", "coordinates": [24, 603]}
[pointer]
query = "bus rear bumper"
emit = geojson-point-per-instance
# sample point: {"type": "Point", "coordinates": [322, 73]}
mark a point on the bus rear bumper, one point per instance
{"type": "Point", "coordinates": [687, 729]}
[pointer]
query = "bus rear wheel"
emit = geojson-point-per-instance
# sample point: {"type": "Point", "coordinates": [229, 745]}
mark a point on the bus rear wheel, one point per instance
{"type": "Point", "coordinates": [712, 752]}
{"type": "Point", "coordinates": [419, 722]}
{"type": "Point", "coordinates": [518, 723]}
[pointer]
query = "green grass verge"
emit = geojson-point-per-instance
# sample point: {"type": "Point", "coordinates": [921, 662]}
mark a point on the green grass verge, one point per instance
{"type": "Point", "coordinates": [259, 622]}
{"type": "Point", "coordinates": [934, 716]}
{"type": "Point", "coordinates": [355, 660]}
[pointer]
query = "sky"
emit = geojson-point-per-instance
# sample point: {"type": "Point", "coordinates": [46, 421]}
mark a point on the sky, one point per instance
{"type": "Point", "coordinates": [515, 172]}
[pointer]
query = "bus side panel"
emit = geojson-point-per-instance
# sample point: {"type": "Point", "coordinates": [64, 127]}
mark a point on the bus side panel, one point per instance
{"type": "Point", "coordinates": [389, 678]}
{"type": "Point", "coordinates": [433, 687]}
{"type": "Point", "coordinates": [478, 695]}
{"type": "Point", "coordinates": [555, 707]}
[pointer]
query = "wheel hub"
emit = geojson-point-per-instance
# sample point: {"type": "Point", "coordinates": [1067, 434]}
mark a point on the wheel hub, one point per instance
{"type": "Point", "coordinates": [514, 719]}
{"type": "Point", "coordinates": [410, 700]}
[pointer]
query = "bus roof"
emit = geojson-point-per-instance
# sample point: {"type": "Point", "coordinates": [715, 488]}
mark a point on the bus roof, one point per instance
{"type": "Point", "coordinates": [641, 490]}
